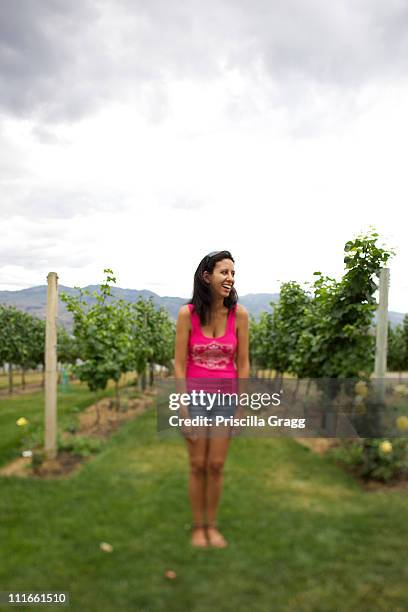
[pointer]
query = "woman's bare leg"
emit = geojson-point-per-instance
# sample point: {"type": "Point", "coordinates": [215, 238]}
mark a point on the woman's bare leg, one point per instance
{"type": "Point", "coordinates": [197, 450]}
{"type": "Point", "coordinates": [217, 453]}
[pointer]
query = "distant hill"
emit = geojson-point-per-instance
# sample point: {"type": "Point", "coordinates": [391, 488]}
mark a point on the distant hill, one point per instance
{"type": "Point", "coordinates": [34, 299]}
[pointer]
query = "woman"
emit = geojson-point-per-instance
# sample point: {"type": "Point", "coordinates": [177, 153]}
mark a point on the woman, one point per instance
{"type": "Point", "coordinates": [211, 343]}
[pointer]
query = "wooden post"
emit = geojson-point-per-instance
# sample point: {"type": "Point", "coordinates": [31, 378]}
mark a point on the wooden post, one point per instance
{"type": "Point", "coordinates": [51, 374]}
{"type": "Point", "coordinates": [381, 333]}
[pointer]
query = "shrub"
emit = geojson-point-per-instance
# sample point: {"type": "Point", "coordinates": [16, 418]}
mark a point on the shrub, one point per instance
{"type": "Point", "coordinates": [375, 458]}
{"type": "Point", "coordinates": [80, 445]}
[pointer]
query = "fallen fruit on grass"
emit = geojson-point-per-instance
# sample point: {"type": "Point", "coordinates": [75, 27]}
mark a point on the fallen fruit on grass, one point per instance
{"type": "Point", "coordinates": [170, 574]}
{"type": "Point", "coordinates": [106, 547]}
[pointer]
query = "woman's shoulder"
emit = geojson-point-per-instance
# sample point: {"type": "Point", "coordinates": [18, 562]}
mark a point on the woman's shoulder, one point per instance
{"type": "Point", "coordinates": [184, 311]}
{"type": "Point", "coordinates": [241, 311]}
{"type": "Point", "coordinates": [242, 316]}
{"type": "Point", "coordinates": [184, 318]}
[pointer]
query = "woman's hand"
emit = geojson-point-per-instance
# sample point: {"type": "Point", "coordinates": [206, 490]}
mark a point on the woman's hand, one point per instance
{"type": "Point", "coordinates": [188, 431]}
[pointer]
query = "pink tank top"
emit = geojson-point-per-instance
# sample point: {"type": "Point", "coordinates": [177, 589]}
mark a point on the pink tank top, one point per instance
{"type": "Point", "coordinates": [211, 357]}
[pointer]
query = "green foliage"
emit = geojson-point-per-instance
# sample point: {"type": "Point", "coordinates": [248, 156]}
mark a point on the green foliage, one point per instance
{"type": "Point", "coordinates": [37, 341]}
{"type": "Point", "coordinates": [288, 323]}
{"type": "Point", "coordinates": [260, 340]}
{"type": "Point", "coordinates": [153, 334]}
{"type": "Point", "coordinates": [274, 338]}
{"type": "Point", "coordinates": [19, 334]}
{"type": "Point", "coordinates": [113, 337]}
{"type": "Point", "coordinates": [397, 351]}
{"type": "Point", "coordinates": [10, 334]}
{"type": "Point", "coordinates": [67, 348]}
{"type": "Point", "coordinates": [22, 338]}
{"type": "Point", "coordinates": [80, 445]}
{"type": "Point", "coordinates": [102, 335]}
{"type": "Point", "coordinates": [337, 337]}
{"type": "Point", "coordinates": [369, 461]}
{"type": "Point", "coordinates": [325, 333]}
{"type": "Point", "coordinates": [33, 436]}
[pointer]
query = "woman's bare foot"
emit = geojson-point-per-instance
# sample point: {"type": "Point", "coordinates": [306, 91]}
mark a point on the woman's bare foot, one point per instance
{"type": "Point", "coordinates": [198, 537]}
{"type": "Point", "coordinates": [215, 538]}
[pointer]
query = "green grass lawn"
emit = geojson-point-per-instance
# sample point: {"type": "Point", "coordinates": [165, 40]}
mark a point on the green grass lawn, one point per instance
{"type": "Point", "coordinates": [303, 536]}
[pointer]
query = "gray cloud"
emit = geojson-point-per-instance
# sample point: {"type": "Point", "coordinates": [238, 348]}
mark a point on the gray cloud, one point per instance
{"type": "Point", "coordinates": [36, 253]}
{"type": "Point", "coordinates": [59, 203]}
{"type": "Point", "coordinates": [37, 60]}
{"type": "Point", "coordinates": [47, 137]}
{"type": "Point", "coordinates": [63, 60]}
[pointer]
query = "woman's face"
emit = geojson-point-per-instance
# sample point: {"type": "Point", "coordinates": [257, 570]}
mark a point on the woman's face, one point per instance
{"type": "Point", "coordinates": [222, 278]}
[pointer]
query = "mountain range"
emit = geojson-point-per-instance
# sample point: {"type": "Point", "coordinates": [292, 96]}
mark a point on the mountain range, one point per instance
{"type": "Point", "coordinates": [33, 300]}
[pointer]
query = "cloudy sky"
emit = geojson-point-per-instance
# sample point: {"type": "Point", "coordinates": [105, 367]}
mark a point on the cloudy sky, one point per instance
{"type": "Point", "coordinates": [140, 135]}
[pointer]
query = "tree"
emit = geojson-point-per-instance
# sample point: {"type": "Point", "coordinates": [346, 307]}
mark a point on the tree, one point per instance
{"type": "Point", "coordinates": [152, 337]}
{"type": "Point", "coordinates": [259, 340]}
{"type": "Point", "coordinates": [36, 345]}
{"type": "Point", "coordinates": [163, 333]}
{"type": "Point", "coordinates": [67, 347]}
{"type": "Point", "coordinates": [336, 340]}
{"type": "Point", "coordinates": [22, 339]}
{"type": "Point", "coordinates": [326, 335]}
{"type": "Point", "coordinates": [288, 322]}
{"type": "Point", "coordinates": [397, 350]}
{"type": "Point", "coordinates": [113, 337]}
{"type": "Point", "coordinates": [103, 336]}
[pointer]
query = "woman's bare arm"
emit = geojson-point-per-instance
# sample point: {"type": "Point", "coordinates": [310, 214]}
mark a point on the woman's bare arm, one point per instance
{"type": "Point", "coordinates": [182, 334]}
{"type": "Point", "coordinates": [181, 345]}
{"type": "Point", "coordinates": [243, 342]}
{"type": "Point", "coordinates": [183, 326]}
{"type": "Point", "coordinates": [242, 359]}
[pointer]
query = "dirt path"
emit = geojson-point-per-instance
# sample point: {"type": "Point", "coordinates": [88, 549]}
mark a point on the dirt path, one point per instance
{"type": "Point", "coordinates": [29, 388]}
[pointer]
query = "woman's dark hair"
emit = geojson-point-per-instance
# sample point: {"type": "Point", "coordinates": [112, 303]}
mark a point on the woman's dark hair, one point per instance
{"type": "Point", "coordinates": [202, 293]}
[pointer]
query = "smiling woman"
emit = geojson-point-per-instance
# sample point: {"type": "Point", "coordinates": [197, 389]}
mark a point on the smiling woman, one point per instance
{"type": "Point", "coordinates": [212, 344]}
